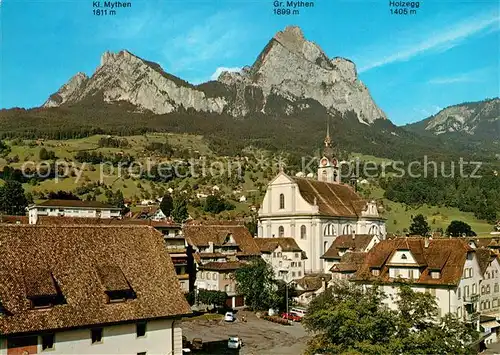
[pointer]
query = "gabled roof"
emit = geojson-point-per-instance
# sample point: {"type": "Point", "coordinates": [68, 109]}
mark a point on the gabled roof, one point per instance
{"type": "Point", "coordinates": [76, 204]}
{"type": "Point", "coordinates": [332, 199]}
{"type": "Point", "coordinates": [446, 255]}
{"type": "Point", "coordinates": [204, 234]}
{"type": "Point", "coordinates": [353, 242]}
{"type": "Point", "coordinates": [484, 257]}
{"type": "Point", "coordinates": [268, 245]}
{"type": "Point", "coordinates": [312, 282]}
{"type": "Point", "coordinates": [71, 255]}
{"type": "Point", "coordinates": [350, 262]}
{"type": "Point", "coordinates": [222, 266]}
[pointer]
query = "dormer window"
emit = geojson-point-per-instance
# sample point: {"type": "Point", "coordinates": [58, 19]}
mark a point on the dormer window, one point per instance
{"type": "Point", "coordinates": [116, 285]}
{"type": "Point", "coordinates": [435, 274]}
{"type": "Point", "coordinates": [376, 272]}
{"type": "Point", "coordinates": [42, 289]}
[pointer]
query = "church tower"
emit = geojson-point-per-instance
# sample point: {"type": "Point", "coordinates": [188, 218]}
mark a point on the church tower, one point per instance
{"type": "Point", "coordinates": [328, 169]}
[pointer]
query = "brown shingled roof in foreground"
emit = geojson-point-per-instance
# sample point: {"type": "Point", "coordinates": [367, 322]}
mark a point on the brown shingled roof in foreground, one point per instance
{"type": "Point", "coordinates": [55, 220]}
{"type": "Point", "coordinates": [72, 255]}
{"type": "Point", "coordinates": [350, 262]}
{"type": "Point", "coordinates": [484, 258]}
{"type": "Point", "coordinates": [447, 254]}
{"type": "Point", "coordinates": [270, 244]}
{"type": "Point", "coordinates": [332, 199]}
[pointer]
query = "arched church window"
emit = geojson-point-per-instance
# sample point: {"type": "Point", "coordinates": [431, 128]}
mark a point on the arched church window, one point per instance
{"type": "Point", "coordinates": [329, 230]}
{"type": "Point", "coordinates": [303, 232]}
{"type": "Point", "coordinates": [281, 231]}
{"type": "Point", "coordinates": [347, 229]}
{"type": "Point", "coordinates": [325, 247]}
{"type": "Point", "coordinates": [373, 230]}
{"type": "Point", "coordinates": [282, 201]}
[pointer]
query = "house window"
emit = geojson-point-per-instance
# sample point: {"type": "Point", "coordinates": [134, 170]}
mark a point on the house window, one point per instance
{"type": "Point", "coordinates": [488, 289]}
{"type": "Point", "coordinates": [410, 273]}
{"type": "Point", "coordinates": [282, 201]}
{"type": "Point", "coordinates": [96, 335]}
{"type": "Point", "coordinates": [375, 272]}
{"type": "Point", "coordinates": [459, 312]}
{"type": "Point", "coordinates": [279, 254]}
{"type": "Point", "coordinates": [140, 329]}
{"type": "Point", "coordinates": [474, 289]}
{"type": "Point", "coordinates": [209, 276]}
{"type": "Point", "coordinates": [299, 273]}
{"type": "Point", "coordinates": [466, 291]}
{"type": "Point", "coordinates": [435, 274]}
{"type": "Point", "coordinates": [48, 341]}
{"type": "Point", "coordinates": [215, 276]}
{"type": "Point", "coordinates": [403, 257]}
{"type": "Point", "coordinates": [280, 263]}
{"type": "Point", "coordinates": [274, 254]}
{"type": "Point", "coordinates": [296, 255]}
{"type": "Point", "coordinates": [459, 291]}
{"type": "Point", "coordinates": [293, 273]}
{"type": "Point", "coordinates": [300, 263]}
{"type": "Point", "coordinates": [496, 288]}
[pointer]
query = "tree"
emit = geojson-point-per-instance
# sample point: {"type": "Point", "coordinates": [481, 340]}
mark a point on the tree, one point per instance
{"type": "Point", "coordinates": [45, 154]}
{"type": "Point", "coordinates": [458, 229]}
{"type": "Point", "coordinates": [167, 205]}
{"type": "Point", "coordinates": [212, 297]}
{"type": "Point", "coordinates": [349, 320]}
{"type": "Point", "coordinates": [62, 195]}
{"type": "Point", "coordinates": [256, 282]}
{"type": "Point", "coordinates": [179, 210]}
{"type": "Point", "coordinates": [4, 149]}
{"type": "Point", "coordinates": [419, 226]}
{"type": "Point", "coordinates": [12, 198]}
{"type": "Point", "coordinates": [215, 204]}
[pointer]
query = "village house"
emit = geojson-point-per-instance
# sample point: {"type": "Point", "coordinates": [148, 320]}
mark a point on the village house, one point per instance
{"type": "Point", "coordinates": [285, 257]}
{"type": "Point", "coordinates": [88, 290]}
{"type": "Point", "coordinates": [315, 211]}
{"type": "Point", "coordinates": [347, 266]}
{"type": "Point", "coordinates": [310, 286]}
{"type": "Point", "coordinates": [215, 243]}
{"type": "Point", "coordinates": [72, 208]}
{"type": "Point", "coordinates": [219, 276]}
{"type": "Point", "coordinates": [446, 268]}
{"type": "Point", "coordinates": [347, 244]}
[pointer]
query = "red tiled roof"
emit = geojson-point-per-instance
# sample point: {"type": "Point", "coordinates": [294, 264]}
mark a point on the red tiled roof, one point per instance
{"type": "Point", "coordinates": [202, 235]}
{"type": "Point", "coordinates": [55, 220]}
{"type": "Point", "coordinates": [312, 282]}
{"type": "Point", "coordinates": [350, 262]}
{"type": "Point", "coordinates": [9, 219]}
{"type": "Point", "coordinates": [484, 257]}
{"type": "Point", "coordinates": [332, 199]}
{"type": "Point", "coordinates": [353, 242]}
{"type": "Point", "coordinates": [71, 256]}
{"type": "Point", "coordinates": [448, 255]}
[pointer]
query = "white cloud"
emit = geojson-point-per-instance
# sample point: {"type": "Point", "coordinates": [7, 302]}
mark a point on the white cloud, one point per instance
{"type": "Point", "coordinates": [219, 70]}
{"type": "Point", "coordinates": [440, 42]}
{"type": "Point", "coordinates": [469, 77]}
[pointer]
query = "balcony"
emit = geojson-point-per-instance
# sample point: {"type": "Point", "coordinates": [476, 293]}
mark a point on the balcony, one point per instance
{"type": "Point", "coordinates": [471, 298]}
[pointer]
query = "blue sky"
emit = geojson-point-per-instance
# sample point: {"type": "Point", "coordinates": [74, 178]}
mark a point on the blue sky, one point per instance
{"type": "Point", "coordinates": [414, 65]}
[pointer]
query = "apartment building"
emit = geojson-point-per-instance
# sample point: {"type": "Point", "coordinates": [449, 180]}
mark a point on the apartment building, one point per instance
{"type": "Point", "coordinates": [219, 276]}
{"type": "Point", "coordinates": [72, 208]}
{"type": "Point", "coordinates": [285, 257]}
{"type": "Point", "coordinates": [218, 247]}
{"type": "Point", "coordinates": [448, 269]}
{"type": "Point", "coordinates": [88, 290]}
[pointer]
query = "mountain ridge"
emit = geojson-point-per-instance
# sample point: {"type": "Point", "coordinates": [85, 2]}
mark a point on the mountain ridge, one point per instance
{"type": "Point", "coordinates": [289, 68]}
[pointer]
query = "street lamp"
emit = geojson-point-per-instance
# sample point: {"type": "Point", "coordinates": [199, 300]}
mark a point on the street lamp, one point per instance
{"type": "Point", "coordinates": [286, 293]}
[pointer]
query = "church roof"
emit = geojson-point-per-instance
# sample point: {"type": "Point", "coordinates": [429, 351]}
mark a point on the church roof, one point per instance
{"type": "Point", "coordinates": [332, 199]}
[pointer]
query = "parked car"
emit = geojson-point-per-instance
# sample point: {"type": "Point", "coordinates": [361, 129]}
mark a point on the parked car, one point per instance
{"type": "Point", "coordinates": [291, 316]}
{"type": "Point", "coordinates": [234, 342]}
{"type": "Point", "coordinates": [229, 317]}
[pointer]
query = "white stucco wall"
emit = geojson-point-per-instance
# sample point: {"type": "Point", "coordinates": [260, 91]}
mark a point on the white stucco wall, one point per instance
{"type": "Point", "coordinates": [489, 302]}
{"type": "Point", "coordinates": [3, 346]}
{"type": "Point", "coordinates": [118, 339]}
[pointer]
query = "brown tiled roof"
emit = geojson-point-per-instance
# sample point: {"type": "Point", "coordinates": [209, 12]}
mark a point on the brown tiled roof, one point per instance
{"type": "Point", "coordinates": [346, 241]}
{"type": "Point", "coordinates": [447, 255]}
{"type": "Point", "coordinates": [350, 262]}
{"type": "Point", "coordinates": [484, 258]}
{"type": "Point", "coordinates": [202, 235]}
{"type": "Point", "coordinates": [489, 242]}
{"type": "Point", "coordinates": [312, 282]}
{"type": "Point", "coordinates": [270, 244]}
{"type": "Point", "coordinates": [332, 199]}
{"type": "Point", "coordinates": [222, 266]}
{"type": "Point", "coordinates": [72, 255]}
{"type": "Point", "coordinates": [112, 278]}
{"type": "Point", "coordinates": [75, 204]}
{"type": "Point", "coordinates": [8, 219]}
{"type": "Point", "coordinates": [55, 220]}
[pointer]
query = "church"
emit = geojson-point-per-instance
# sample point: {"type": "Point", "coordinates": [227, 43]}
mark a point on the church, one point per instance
{"type": "Point", "coordinates": [314, 211]}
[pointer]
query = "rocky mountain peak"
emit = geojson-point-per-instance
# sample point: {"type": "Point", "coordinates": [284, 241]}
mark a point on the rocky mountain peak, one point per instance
{"type": "Point", "coordinates": [290, 69]}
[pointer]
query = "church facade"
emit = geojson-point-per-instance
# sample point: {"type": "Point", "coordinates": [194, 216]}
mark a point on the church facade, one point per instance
{"type": "Point", "coordinates": [314, 211]}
